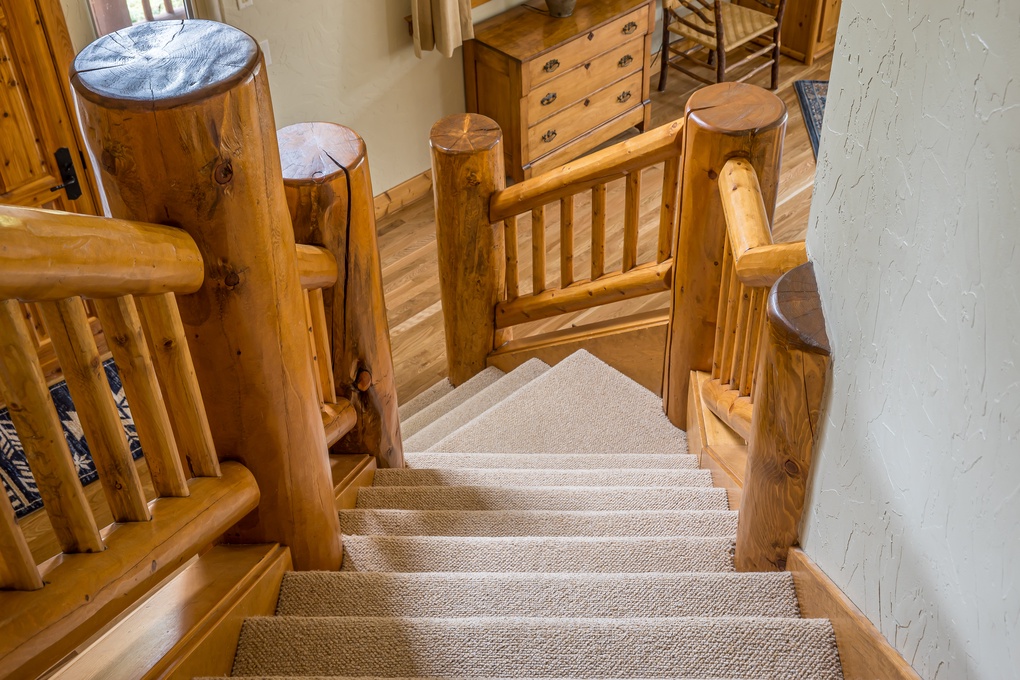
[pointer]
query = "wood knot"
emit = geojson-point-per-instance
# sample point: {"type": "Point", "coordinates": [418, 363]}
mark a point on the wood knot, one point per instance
{"type": "Point", "coordinates": [712, 174]}
{"type": "Point", "coordinates": [791, 468]}
{"type": "Point", "coordinates": [224, 172]}
{"type": "Point", "coordinates": [363, 381]}
{"type": "Point", "coordinates": [231, 279]}
{"type": "Point", "coordinates": [108, 161]}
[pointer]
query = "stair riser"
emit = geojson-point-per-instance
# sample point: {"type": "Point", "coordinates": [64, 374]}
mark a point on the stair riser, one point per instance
{"type": "Point", "coordinates": [511, 478]}
{"type": "Point", "coordinates": [522, 461]}
{"type": "Point", "coordinates": [541, 498]}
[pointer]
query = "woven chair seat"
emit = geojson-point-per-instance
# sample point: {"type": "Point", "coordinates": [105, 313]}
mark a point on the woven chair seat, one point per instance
{"type": "Point", "coordinates": [740, 24]}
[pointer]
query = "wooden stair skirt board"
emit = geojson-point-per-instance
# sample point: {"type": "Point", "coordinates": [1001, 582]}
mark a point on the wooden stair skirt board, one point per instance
{"type": "Point", "coordinates": [717, 447]}
{"type": "Point", "coordinates": [633, 345]}
{"type": "Point", "coordinates": [351, 471]}
{"type": "Point", "coordinates": [190, 625]}
{"type": "Point", "coordinates": [863, 651]}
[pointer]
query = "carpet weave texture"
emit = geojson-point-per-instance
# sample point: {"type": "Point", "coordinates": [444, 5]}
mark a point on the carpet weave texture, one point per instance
{"type": "Point", "coordinates": [555, 528]}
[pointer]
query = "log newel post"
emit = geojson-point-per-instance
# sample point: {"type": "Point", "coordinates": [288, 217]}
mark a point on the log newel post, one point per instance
{"type": "Point", "coordinates": [329, 192]}
{"type": "Point", "coordinates": [179, 124]}
{"type": "Point", "coordinates": [792, 373]}
{"type": "Point", "coordinates": [722, 121]}
{"type": "Point", "coordinates": [467, 168]}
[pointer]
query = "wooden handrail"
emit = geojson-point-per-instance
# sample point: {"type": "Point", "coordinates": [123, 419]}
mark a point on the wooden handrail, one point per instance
{"type": "Point", "coordinates": [759, 263]}
{"type": "Point", "coordinates": [317, 267]}
{"type": "Point", "coordinates": [50, 255]}
{"type": "Point", "coordinates": [585, 173]}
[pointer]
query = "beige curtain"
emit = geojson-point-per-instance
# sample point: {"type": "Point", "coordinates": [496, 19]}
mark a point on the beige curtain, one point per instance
{"type": "Point", "coordinates": [441, 25]}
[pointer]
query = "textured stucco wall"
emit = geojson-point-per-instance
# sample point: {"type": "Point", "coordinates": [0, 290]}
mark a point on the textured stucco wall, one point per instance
{"type": "Point", "coordinates": [915, 231]}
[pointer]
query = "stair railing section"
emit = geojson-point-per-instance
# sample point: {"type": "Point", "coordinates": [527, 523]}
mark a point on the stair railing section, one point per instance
{"type": "Point", "coordinates": [751, 263]}
{"type": "Point", "coordinates": [329, 192]}
{"type": "Point", "coordinates": [477, 233]}
{"type": "Point", "coordinates": [130, 273]}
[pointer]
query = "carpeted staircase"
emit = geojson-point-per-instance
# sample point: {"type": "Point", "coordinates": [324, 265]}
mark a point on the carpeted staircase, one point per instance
{"type": "Point", "coordinates": [583, 543]}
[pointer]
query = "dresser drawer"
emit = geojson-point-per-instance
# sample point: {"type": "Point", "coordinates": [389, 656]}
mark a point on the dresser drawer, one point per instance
{"type": "Point", "coordinates": [586, 114]}
{"type": "Point", "coordinates": [585, 47]}
{"type": "Point", "coordinates": [581, 81]}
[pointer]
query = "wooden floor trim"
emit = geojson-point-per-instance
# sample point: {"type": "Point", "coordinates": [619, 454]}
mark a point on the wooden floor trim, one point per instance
{"type": "Point", "coordinates": [863, 650]}
{"type": "Point", "coordinates": [351, 471]}
{"type": "Point", "coordinates": [405, 193]}
{"type": "Point", "coordinates": [719, 449]}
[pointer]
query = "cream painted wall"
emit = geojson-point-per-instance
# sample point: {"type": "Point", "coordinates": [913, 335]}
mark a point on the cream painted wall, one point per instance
{"type": "Point", "coordinates": [915, 231]}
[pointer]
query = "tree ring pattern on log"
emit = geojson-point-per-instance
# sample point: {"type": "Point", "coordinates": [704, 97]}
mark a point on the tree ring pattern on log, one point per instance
{"type": "Point", "coordinates": [162, 64]}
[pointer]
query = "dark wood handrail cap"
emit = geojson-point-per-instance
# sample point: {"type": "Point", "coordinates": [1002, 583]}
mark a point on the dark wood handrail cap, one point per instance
{"type": "Point", "coordinates": [736, 108]}
{"type": "Point", "coordinates": [465, 133]}
{"type": "Point", "coordinates": [795, 311]}
{"type": "Point", "coordinates": [318, 152]}
{"type": "Point", "coordinates": [164, 64]}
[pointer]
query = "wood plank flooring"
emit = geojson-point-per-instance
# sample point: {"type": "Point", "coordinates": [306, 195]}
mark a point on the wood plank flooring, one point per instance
{"type": "Point", "coordinates": [408, 248]}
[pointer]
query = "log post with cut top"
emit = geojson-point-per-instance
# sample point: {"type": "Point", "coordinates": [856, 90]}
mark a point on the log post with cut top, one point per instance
{"type": "Point", "coordinates": [178, 120]}
{"type": "Point", "coordinates": [467, 169]}
{"type": "Point", "coordinates": [723, 121]}
{"type": "Point", "coordinates": [329, 190]}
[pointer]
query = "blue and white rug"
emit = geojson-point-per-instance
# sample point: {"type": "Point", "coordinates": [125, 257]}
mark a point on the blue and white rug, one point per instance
{"type": "Point", "coordinates": [17, 477]}
{"type": "Point", "coordinates": [812, 94]}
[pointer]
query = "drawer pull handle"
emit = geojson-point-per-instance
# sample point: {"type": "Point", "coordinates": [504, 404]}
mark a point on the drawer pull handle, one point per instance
{"type": "Point", "coordinates": [625, 61]}
{"type": "Point", "coordinates": [629, 28]}
{"type": "Point", "coordinates": [549, 136]}
{"type": "Point", "coordinates": [624, 97]}
{"type": "Point", "coordinates": [591, 36]}
{"type": "Point", "coordinates": [548, 99]}
{"type": "Point", "coordinates": [551, 65]}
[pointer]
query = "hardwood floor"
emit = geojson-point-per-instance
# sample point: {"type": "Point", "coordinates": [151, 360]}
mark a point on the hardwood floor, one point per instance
{"type": "Point", "coordinates": [408, 248]}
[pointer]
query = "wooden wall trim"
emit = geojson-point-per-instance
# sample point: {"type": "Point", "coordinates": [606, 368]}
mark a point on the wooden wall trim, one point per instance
{"type": "Point", "coordinates": [863, 651]}
{"type": "Point", "coordinates": [405, 193]}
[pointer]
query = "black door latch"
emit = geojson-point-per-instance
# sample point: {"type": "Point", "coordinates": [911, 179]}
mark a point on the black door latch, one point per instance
{"type": "Point", "coordinates": [68, 175]}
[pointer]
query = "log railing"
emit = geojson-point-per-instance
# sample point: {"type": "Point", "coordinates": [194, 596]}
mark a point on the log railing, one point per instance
{"type": "Point", "coordinates": [130, 272]}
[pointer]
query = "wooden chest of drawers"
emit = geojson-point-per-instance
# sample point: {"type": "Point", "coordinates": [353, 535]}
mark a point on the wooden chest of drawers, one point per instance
{"type": "Point", "coordinates": [560, 87]}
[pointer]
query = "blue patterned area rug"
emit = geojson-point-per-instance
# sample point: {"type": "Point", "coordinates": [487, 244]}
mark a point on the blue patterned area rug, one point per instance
{"type": "Point", "coordinates": [811, 94]}
{"type": "Point", "coordinates": [17, 477]}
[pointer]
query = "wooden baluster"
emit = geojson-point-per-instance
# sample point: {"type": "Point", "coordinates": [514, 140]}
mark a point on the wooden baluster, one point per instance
{"type": "Point", "coordinates": [754, 324]}
{"type": "Point", "coordinates": [328, 185]}
{"type": "Point", "coordinates": [538, 250]}
{"type": "Point", "coordinates": [30, 406]}
{"type": "Point", "coordinates": [176, 371]}
{"type": "Point", "coordinates": [722, 121]}
{"type": "Point", "coordinates": [123, 330]}
{"type": "Point", "coordinates": [147, 10]}
{"type": "Point", "coordinates": [467, 168]}
{"type": "Point", "coordinates": [512, 262]}
{"type": "Point", "coordinates": [320, 329]}
{"type": "Point", "coordinates": [316, 359]}
{"type": "Point", "coordinates": [734, 293]}
{"type": "Point", "coordinates": [168, 6]}
{"type": "Point", "coordinates": [631, 220]}
{"type": "Point", "coordinates": [670, 208]}
{"type": "Point", "coordinates": [17, 568]}
{"type": "Point", "coordinates": [720, 316]}
{"type": "Point", "coordinates": [787, 408]}
{"type": "Point", "coordinates": [740, 336]}
{"type": "Point", "coordinates": [202, 153]}
{"type": "Point", "coordinates": [598, 231]}
{"type": "Point", "coordinates": [566, 241]}
{"type": "Point", "coordinates": [72, 338]}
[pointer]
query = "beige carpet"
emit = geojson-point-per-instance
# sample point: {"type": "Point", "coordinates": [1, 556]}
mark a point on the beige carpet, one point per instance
{"type": "Point", "coordinates": [555, 529]}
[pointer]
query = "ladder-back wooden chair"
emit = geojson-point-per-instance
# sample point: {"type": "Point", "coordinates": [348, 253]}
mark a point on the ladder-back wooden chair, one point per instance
{"type": "Point", "coordinates": [721, 28]}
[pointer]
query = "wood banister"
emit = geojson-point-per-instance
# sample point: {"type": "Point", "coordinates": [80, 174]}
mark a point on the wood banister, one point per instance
{"type": "Point", "coordinates": [723, 121]}
{"type": "Point", "coordinates": [586, 173]}
{"type": "Point", "coordinates": [317, 267]}
{"type": "Point", "coordinates": [787, 408]}
{"type": "Point", "coordinates": [49, 255]}
{"type": "Point", "coordinates": [328, 185]}
{"type": "Point", "coordinates": [204, 156]}
{"type": "Point", "coordinates": [467, 169]}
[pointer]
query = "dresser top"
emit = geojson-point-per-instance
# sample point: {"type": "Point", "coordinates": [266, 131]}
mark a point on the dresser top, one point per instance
{"type": "Point", "coordinates": [527, 31]}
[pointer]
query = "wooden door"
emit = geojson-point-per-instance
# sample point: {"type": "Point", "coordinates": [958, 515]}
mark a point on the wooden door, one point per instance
{"type": "Point", "coordinates": [36, 116]}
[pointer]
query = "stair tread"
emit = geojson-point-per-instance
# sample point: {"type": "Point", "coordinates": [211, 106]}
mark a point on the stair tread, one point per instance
{"type": "Point", "coordinates": [746, 647]}
{"type": "Point", "coordinates": [583, 595]}
{"type": "Point", "coordinates": [429, 396]}
{"type": "Point", "coordinates": [540, 477]}
{"type": "Point", "coordinates": [449, 401]}
{"type": "Point", "coordinates": [539, 522]}
{"type": "Point", "coordinates": [576, 461]}
{"type": "Point", "coordinates": [581, 405]}
{"type": "Point", "coordinates": [542, 498]}
{"type": "Point", "coordinates": [478, 404]}
{"type": "Point", "coordinates": [537, 554]}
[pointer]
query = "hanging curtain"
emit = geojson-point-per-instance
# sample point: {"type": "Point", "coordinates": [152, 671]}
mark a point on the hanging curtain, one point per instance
{"type": "Point", "coordinates": [441, 25]}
